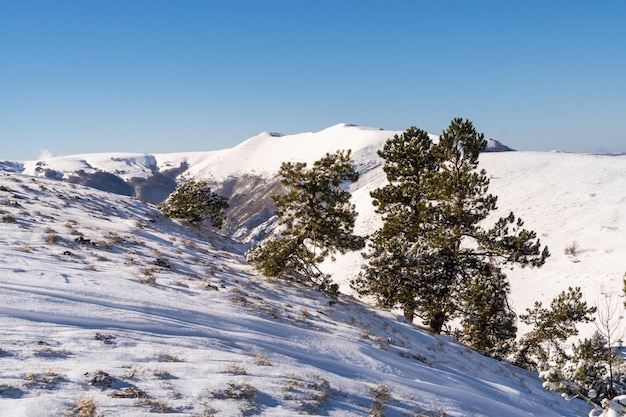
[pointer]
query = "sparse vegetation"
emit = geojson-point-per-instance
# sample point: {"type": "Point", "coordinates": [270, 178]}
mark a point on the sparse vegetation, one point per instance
{"type": "Point", "coordinates": [44, 380]}
{"type": "Point", "coordinates": [169, 357]}
{"type": "Point", "coordinates": [244, 393]}
{"type": "Point", "coordinates": [380, 395]}
{"type": "Point", "coordinates": [84, 407]}
{"type": "Point", "coordinates": [148, 276]}
{"type": "Point", "coordinates": [48, 352]}
{"type": "Point", "coordinates": [572, 249]}
{"type": "Point", "coordinates": [129, 392]}
{"type": "Point", "coordinates": [51, 237]}
{"type": "Point", "coordinates": [162, 374]}
{"type": "Point", "coordinates": [101, 380]}
{"type": "Point", "coordinates": [206, 328]}
{"type": "Point", "coordinates": [237, 369]}
{"type": "Point", "coordinates": [8, 218]}
{"type": "Point", "coordinates": [106, 338]}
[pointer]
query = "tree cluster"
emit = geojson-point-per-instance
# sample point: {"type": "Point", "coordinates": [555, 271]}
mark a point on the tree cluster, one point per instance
{"type": "Point", "coordinates": [194, 201]}
{"type": "Point", "coordinates": [436, 257]}
{"type": "Point", "coordinates": [592, 369]}
{"type": "Point", "coordinates": [433, 257]}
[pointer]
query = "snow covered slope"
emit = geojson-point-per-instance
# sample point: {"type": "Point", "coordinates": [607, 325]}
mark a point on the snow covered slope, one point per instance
{"type": "Point", "coordinates": [103, 301]}
{"type": "Point", "coordinates": [569, 199]}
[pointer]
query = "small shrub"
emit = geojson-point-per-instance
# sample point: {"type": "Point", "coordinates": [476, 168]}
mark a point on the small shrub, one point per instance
{"type": "Point", "coordinates": [148, 276]}
{"type": "Point", "coordinates": [194, 201]}
{"type": "Point", "coordinates": [101, 380]}
{"type": "Point", "coordinates": [45, 380]}
{"type": "Point", "coordinates": [85, 407]}
{"type": "Point", "coordinates": [572, 249]}
{"type": "Point", "coordinates": [52, 238]}
{"type": "Point", "coordinates": [105, 338]}
{"type": "Point", "coordinates": [380, 395]}
{"type": "Point", "coordinates": [261, 360]}
{"type": "Point", "coordinates": [8, 218]}
{"type": "Point", "coordinates": [163, 374]}
{"type": "Point", "coordinates": [163, 263]}
{"type": "Point", "coordinates": [243, 391]}
{"type": "Point", "coordinates": [169, 357]}
{"type": "Point", "coordinates": [236, 369]}
{"type": "Point", "coordinates": [128, 392]}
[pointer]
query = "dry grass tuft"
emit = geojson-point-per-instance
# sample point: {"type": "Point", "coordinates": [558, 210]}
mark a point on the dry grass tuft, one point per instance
{"type": "Point", "coordinates": [85, 407]}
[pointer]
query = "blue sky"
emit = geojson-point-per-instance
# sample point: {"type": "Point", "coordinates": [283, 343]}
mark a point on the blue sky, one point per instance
{"type": "Point", "coordinates": [167, 76]}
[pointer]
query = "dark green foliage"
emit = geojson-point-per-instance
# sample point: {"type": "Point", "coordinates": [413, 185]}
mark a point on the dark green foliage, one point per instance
{"type": "Point", "coordinates": [316, 217]}
{"type": "Point", "coordinates": [594, 372]}
{"type": "Point", "coordinates": [489, 322]}
{"type": "Point", "coordinates": [194, 201]}
{"type": "Point", "coordinates": [432, 257]}
{"type": "Point", "coordinates": [595, 369]}
{"type": "Point", "coordinates": [552, 327]}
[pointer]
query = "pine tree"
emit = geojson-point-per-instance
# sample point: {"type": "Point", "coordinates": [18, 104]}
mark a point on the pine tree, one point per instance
{"type": "Point", "coordinates": [489, 322]}
{"type": "Point", "coordinates": [316, 219]}
{"type": "Point", "coordinates": [194, 201]}
{"type": "Point", "coordinates": [396, 269]}
{"type": "Point", "coordinates": [552, 327]}
{"type": "Point", "coordinates": [434, 206]}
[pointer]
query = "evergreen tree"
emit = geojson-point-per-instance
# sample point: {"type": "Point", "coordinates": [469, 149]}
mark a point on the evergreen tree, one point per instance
{"type": "Point", "coordinates": [552, 327]}
{"type": "Point", "coordinates": [594, 370]}
{"type": "Point", "coordinates": [489, 322]}
{"type": "Point", "coordinates": [396, 269]}
{"type": "Point", "coordinates": [194, 201]}
{"type": "Point", "coordinates": [434, 206]}
{"type": "Point", "coordinates": [316, 219]}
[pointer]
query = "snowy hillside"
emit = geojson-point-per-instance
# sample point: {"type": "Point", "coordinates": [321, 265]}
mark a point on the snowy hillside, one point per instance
{"type": "Point", "coordinates": [568, 199]}
{"type": "Point", "coordinates": [106, 303]}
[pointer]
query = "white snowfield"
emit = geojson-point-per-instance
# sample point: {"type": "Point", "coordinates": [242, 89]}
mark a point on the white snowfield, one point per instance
{"type": "Point", "coordinates": [103, 299]}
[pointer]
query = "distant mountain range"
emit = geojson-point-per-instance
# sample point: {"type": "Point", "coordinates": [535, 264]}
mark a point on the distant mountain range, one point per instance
{"type": "Point", "coordinates": [243, 173]}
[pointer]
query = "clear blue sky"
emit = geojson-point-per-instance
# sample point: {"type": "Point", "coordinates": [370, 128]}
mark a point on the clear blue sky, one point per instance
{"type": "Point", "coordinates": [193, 75]}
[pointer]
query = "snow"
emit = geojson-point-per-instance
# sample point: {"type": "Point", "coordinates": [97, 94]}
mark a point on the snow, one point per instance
{"type": "Point", "coordinates": [210, 335]}
{"type": "Point", "coordinates": [210, 327]}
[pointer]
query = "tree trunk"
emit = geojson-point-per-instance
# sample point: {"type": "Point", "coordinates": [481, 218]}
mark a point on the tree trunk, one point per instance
{"type": "Point", "coordinates": [437, 321]}
{"type": "Point", "coordinates": [409, 314]}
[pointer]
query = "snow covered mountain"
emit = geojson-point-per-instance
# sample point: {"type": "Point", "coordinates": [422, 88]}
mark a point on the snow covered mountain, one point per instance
{"type": "Point", "coordinates": [246, 173]}
{"type": "Point", "coordinates": [187, 318]}
{"type": "Point", "coordinates": [566, 198]}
